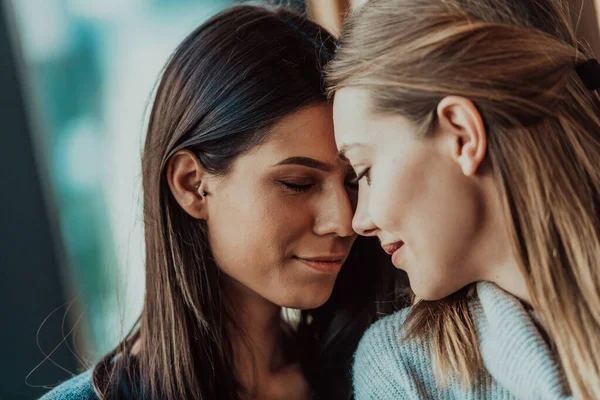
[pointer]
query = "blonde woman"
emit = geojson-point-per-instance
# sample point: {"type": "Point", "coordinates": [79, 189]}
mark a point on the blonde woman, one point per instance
{"type": "Point", "coordinates": [474, 130]}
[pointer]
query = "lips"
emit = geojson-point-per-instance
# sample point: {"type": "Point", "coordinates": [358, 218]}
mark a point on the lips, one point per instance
{"type": "Point", "coordinates": [330, 264]}
{"type": "Point", "coordinates": [332, 258]}
{"type": "Point", "coordinates": [390, 248]}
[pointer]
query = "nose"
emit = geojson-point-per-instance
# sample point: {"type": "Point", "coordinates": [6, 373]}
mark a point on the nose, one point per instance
{"type": "Point", "coordinates": [335, 216]}
{"type": "Point", "coordinates": [362, 222]}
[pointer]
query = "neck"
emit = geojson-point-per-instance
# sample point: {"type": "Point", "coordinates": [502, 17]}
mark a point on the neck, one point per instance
{"type": "Point", "coordinates": [257, 336]}
{"type": "Point", "coordinates": [496, 251]}
{"type": "Point", "coordinates": [508, 276]}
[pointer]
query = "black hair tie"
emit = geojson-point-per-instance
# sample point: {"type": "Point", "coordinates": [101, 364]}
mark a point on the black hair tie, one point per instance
{"type": "Point", "coordinates": [589, 72]}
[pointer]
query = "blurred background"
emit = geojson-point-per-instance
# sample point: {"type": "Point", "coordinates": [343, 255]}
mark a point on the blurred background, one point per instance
{"type": "Point", "coordinates": [76, 83]}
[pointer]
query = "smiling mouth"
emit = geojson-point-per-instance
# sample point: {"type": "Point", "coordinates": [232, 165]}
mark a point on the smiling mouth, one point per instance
{"type": "Point", "coordinates": [325, 264]}
{"type": "Point", "coordinates": [390, 248]}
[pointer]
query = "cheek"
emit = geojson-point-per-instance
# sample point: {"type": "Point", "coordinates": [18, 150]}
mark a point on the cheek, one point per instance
{"type": "Point", "coordinates": [254, 232]}
{"type": "Point", "coordinates": [442, 227]}
{"type": "Point", "coordinates": [449, 211]}
{"type": "Point", "coordinates": [253, 242]}
{"type": "Point", "coordinates": [395, 192]}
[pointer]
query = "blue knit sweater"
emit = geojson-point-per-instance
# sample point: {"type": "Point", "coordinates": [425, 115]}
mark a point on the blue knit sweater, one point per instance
{"type": "Point", "coordinates": [518, 362]}
{"type": "Point", "coordinates": [77, 388]}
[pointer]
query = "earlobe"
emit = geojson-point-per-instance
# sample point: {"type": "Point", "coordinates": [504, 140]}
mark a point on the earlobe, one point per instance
{"type": "Point", "coordinates": [187, 180]}
{"type": "Point", "coordinates": [462, 123]}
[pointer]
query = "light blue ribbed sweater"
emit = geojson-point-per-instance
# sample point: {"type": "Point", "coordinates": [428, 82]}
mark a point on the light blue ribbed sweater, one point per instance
{"type": "Point", "coordinates": [76, 388]}
{"type": "Point", "coordinates": [518, 362]}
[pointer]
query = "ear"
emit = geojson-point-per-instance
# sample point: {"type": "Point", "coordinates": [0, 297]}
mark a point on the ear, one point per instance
{"type": "Point", "coordinates": [460, 120]}
{"type": "Point", "coordinates": [185, 176]}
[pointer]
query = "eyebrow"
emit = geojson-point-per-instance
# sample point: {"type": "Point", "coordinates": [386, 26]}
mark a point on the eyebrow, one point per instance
{"type": "Point", "coordinates": [347, 147]}
{"type": "Point", "coordinates": [307, 162]}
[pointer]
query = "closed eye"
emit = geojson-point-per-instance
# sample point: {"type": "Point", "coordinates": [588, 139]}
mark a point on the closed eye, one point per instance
{"type": "Point", "coordinates": [351, 181]}
{"type": "Point", "coordinates": [296, 187]}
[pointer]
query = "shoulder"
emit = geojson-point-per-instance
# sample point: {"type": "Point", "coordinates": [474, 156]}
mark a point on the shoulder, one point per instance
{"type": "Point", "coordinates": [382, 337]}
{"type": "Point", "coordinates": [387, 367]}
{"type": "Point", "coordinates": [76, 388]}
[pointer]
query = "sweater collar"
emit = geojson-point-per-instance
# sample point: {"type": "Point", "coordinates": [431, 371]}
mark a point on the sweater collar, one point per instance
{"type": "Point", "coordinates": [513, 349]}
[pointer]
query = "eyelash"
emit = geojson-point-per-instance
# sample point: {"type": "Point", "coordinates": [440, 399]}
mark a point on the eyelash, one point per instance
{"type": "Point", "coordinates": [352, 184]}
{"type": "Point", "coordinates": [363, 174]}
{"type": "Point", "coordinates": [296, 187]}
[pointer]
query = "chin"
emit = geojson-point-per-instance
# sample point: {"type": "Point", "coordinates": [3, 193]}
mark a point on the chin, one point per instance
{"type": "Point", "coordinates": [429, 292]}
{"type": "Point", "coordinates": [307, 299]}
{"type": "Point", "coordinates": [433, 293]}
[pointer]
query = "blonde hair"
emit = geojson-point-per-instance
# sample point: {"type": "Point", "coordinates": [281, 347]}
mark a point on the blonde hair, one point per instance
{"type": "Point", "coordinates": [516, 60]}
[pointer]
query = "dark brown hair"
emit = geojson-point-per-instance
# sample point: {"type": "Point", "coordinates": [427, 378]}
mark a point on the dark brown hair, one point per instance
{"type": "Point", "coordinates": [228, 82]}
